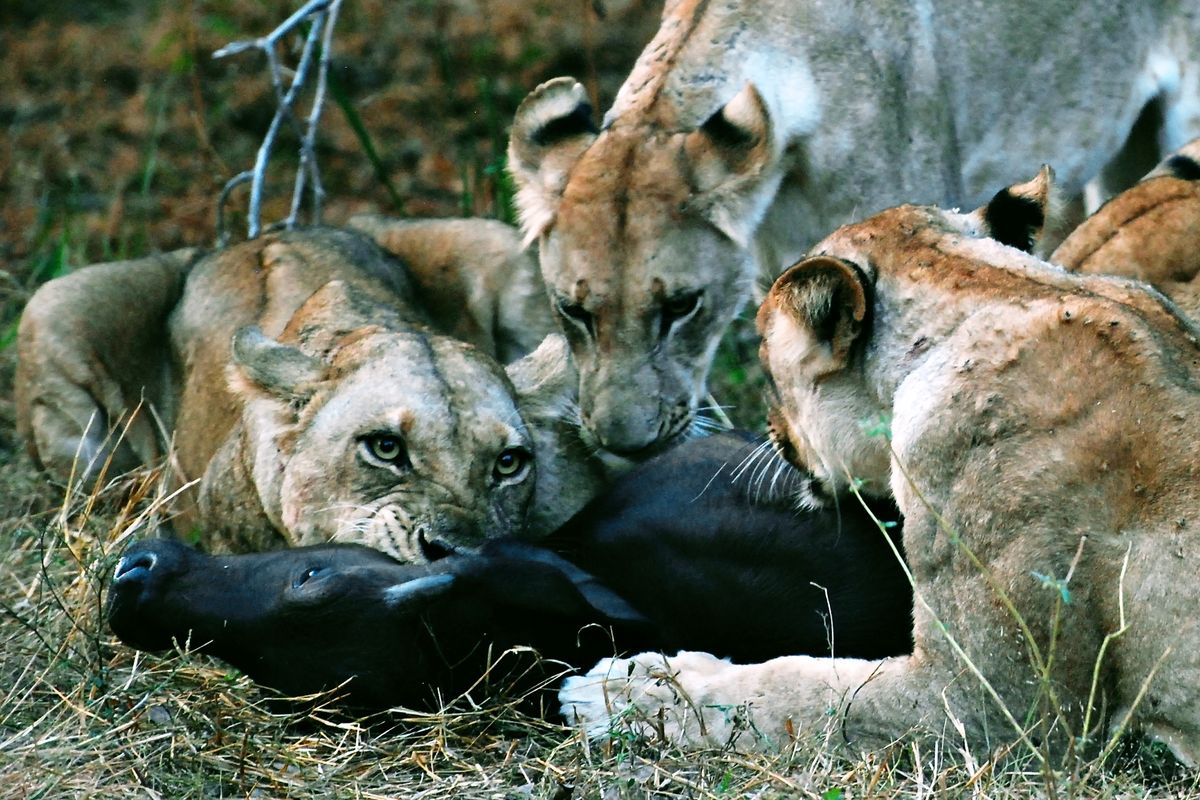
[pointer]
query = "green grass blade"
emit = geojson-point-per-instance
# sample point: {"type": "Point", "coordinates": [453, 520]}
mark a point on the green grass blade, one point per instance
{"type": "Point", "coordinates": [338, 92]}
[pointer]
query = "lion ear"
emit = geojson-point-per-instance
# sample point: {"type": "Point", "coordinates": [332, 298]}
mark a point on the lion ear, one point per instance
{"type": "Point", "coordinates": [731, 156]}
{"type": "Point", "coordinates": [1025, 215]}
{"type": "Point", "coordinates": [812, 316]}
{"type": "Point", "coordinates": [551, 129]}
{"type": "Point", "coordinates": [263, 364]}
{"type": "Point", "coordinates": [546, 381]}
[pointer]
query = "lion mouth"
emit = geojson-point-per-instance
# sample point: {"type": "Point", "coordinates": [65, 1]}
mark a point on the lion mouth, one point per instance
{"type": "Point", "coordinates": [434, 549]}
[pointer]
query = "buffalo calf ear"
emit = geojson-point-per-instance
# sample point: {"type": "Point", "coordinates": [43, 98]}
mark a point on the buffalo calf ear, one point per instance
{"type": "Point", "coordinates": [551, 129]}
{"type": "Point", "coordinates": [812, 316]}
{"type": "Point", "coordinates": [1025, 215]}
{"type": "Point", "coordinates": [277, 369]}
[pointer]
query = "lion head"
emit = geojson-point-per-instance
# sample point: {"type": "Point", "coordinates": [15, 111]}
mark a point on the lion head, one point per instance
{"type": "Point", "coordinates": [843, 327]}
{"type": "Point", "coordinates": [409, 442]}
{"type": "Point", "coordinates": [645, 246]}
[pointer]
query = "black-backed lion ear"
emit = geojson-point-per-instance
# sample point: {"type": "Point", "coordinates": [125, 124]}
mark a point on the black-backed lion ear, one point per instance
{"type": "Point", "coordinates": [1025, 215]}
{"type": "Point", "coordinates": [263, 364]}
{"type": "Point", "coordinates": [731, 156]}
{"type": "Point", "coordinates": [552, 127]}
{"type": "Point", "coordinates": [812, 316]}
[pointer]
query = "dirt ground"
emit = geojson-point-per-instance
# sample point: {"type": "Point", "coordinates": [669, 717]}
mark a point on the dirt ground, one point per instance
{"type": "Point", "coordinates": [119, 130]}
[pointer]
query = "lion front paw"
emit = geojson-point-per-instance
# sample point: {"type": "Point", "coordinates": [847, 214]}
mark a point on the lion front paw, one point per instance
{"type": "Point", "coordinates": [652, 695]}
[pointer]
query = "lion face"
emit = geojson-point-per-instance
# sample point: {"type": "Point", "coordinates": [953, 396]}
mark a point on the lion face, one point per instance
{"type": "Point", "coordinates": [644, 238]}
{"type": "Point", "coordinates": [643, 288]}
{"type": "Point", "coordinates": [408, 443]}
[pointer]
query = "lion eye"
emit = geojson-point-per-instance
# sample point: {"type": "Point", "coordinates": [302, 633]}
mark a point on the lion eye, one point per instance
{"type": "Point", "coordinates": [388, 448]}
{"type": "Point", "coordinates": [677, 308]}
{"type": "Point", "coordinates": [511, 462]}
{"type": "Point", "coordinates": [681, 305]}
{"type": "Point", "coordinates": [577, 314]}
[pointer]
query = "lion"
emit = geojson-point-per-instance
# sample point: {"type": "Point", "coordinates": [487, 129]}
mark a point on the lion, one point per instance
{"type": "Point", "coordinates": [476, 266]}
{"type": "Point", "coordinates": [746, 130]}
{"type": "Point", "coordinates": [1150, 231]}
{"type": "Point", "coordinates": [306, 393]}
{"type": "Point", "coordinates": [1043, 453]}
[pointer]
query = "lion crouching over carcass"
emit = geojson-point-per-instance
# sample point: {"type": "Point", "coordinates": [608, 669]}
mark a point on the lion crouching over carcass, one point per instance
{"type": "Point", "coordinates": [1044, 453]}
{"type": "Point", "coordinates": [307, 393]}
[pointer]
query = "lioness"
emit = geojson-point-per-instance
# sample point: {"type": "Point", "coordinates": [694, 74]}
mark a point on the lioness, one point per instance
{"type": "Point", "coordinates": [747, 129]}
{"type": "Point", "coordinates": [1044, 454]}
{"type": "Point", "coordinates": [306, 392]}
{"type": "Point", "coordinates": [1150, 231]}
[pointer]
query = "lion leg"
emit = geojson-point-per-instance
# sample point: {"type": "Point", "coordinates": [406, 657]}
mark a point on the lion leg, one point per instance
{"type": "Point", "coordinates": [1169, 119]}
{"type": "Point", "coordinates": [1142, 150]}
{"type": "Point", "coordinates": [94, 380]}
{"type": "Point", "coordinates": [696, 699]}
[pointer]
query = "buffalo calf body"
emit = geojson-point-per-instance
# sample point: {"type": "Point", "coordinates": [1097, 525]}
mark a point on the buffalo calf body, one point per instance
{"type": "Point", "coordinates": [679, 554]}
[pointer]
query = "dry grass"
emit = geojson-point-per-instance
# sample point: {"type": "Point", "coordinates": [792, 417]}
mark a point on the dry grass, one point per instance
{"type": "Point", "coordinates": [83, 716]}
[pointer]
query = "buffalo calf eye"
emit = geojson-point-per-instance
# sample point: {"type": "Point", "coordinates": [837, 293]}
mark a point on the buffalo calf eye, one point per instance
{"type": "Point", "coordinates": [510, 463]}
{"type": "Point", "coordinates": [388, 448]}
{"type": "Point", "coordinates": [307, 575]}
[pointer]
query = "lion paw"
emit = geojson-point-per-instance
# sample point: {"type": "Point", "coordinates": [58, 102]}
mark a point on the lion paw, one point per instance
{"type": "Point", "coordinates": [651, 695]}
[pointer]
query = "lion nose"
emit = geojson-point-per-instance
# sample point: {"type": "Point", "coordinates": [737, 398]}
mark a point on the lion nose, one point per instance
{"type": "Point", "coordinates": [433, 549]}
{"type": "Point", "coordinates": [624, 434]}
{"type": "Point", "coordinates": [638, 431]}
{"type": "Point", "coordinates": [454, 529]}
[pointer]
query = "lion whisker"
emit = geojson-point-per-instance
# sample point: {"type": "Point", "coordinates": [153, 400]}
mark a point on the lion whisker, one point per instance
{"type": "Point", "coordinates": [750, 458]}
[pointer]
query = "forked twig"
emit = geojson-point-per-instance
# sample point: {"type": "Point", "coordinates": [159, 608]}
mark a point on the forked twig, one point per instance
{"type": "Point", "coordinates": [322, 17]}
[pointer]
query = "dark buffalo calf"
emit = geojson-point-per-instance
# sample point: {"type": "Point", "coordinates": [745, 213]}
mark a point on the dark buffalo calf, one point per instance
{"type": "Point", "coordinates": [310, 618]}
{"type": "Point", "coordinates": [679, 554]}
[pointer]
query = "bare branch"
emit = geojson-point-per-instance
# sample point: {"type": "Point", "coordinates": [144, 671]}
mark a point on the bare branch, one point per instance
{"type": "Point", "coordinates": [321, 16]}
{"type": "Point", "coordinates": [308, 153]}
{"type": "Point", "coordinates": [223, 198]}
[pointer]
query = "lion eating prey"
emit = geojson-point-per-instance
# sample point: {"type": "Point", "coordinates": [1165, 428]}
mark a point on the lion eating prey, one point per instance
{"type": "Point", "coordinates": [307, 393]}
{"type": "Point", "coordinates": [1044, 453]}
{"type": "Point", "coordinates": [747, 130]}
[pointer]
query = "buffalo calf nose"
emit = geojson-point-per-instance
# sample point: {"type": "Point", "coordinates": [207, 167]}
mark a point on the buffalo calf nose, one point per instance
{"type": "Point", "coordinates": [134, 568]}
